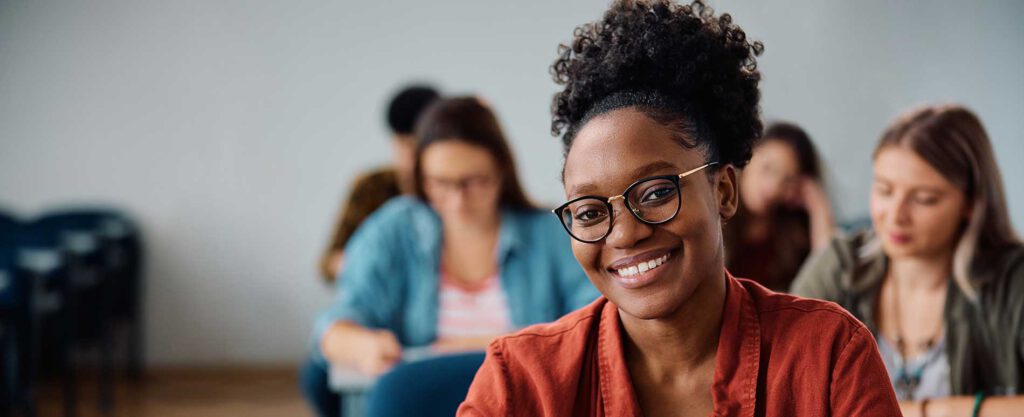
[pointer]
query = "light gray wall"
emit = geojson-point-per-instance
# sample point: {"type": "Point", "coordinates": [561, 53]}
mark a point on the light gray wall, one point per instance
{"type": "Point", "coordinates": [232, 128]}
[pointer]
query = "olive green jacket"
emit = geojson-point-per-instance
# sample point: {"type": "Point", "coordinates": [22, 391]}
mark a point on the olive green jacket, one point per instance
{"type": "Point", "coordinates": [984, 339]}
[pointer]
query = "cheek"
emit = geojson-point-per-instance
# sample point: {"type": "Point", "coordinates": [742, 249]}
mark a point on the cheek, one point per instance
{"type": "Point", "coordinates": [879, 208]}
{"type": "Point", "coordinates": [434, 198]}
{"type": "Point", "coordinates": [488, 199]}
{"type": "Point", "coordinates": [587, 254]}
{"type": "Point", "coordinates": [583, 252]}
{"type": "Point", "coordinates": [942, 223]}
{"type": "Point", "coordinates": [748, 187]}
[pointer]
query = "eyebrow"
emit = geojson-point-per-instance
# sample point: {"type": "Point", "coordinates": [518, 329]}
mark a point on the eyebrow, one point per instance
{"type": "Point", "coordinates": [924, 188]}
{"type": "Point", "coordinates": [643, 171]}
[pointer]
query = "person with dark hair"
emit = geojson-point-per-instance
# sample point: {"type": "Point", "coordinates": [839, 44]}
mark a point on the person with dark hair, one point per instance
{"type": "Point", "coordinates": [784, 213]}
{"type": "Point", "coordinates": [467, 259]}
{"type": "Point", "coordinates": [659, 110]}
{"type": "Point", "coordinates": [940, 277]}
{"type": "Point", "coordinates": [372, 189]}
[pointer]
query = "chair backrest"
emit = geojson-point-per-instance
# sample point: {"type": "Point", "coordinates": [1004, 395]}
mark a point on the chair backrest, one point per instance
{"type": "Point", "coordinates": [12, 288]}
{"type": "Point", "coordinates": [430, 387]}
{"type": "Point", "coordinates": [115, 225]}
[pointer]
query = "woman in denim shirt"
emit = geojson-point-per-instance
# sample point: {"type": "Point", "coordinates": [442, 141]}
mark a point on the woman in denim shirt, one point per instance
{"type": "Point", "coordinates": [468, 260]}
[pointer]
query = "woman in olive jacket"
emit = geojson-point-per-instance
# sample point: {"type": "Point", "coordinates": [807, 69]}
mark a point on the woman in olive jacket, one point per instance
{"type": "Point", "coordinates": [940, 278]}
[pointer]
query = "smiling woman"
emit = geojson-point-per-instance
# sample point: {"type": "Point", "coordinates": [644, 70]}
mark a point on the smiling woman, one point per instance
{"type": "Point", "coordinates": [659, 110]}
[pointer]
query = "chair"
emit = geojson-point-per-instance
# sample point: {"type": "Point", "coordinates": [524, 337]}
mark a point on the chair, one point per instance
{"type": "Point", "coordinates": [37, 275]}
{"type": "Point", "coordinates": [15, 298]}
{"type": "Point", "coordinates": [104, 257]}
{"type": "Point", "coordinates": [430, 387]}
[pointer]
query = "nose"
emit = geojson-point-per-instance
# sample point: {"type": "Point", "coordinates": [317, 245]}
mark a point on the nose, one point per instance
{"type": "Point", "coordinates": [627, 230]}
{"type": "Point", "coordinates": [457, 196]}
{"type": "Point", "coordinates": [901, 211]}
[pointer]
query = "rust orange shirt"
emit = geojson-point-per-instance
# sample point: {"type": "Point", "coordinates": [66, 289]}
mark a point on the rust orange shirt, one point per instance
{"type": "Point", "coordinates": [778, 355]}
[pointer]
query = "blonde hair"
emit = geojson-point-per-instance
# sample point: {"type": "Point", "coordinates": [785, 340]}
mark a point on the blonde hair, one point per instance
{"type": "Point", "coordinates": [952, 140]}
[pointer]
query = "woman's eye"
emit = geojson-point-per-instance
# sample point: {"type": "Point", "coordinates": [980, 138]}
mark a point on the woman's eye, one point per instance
{"type": "Point", "coordinates": [926, 200]}
{"type": "Point", "coordinates": [656, 194]}
{"type": "Point", "coordinates": [589, 214]}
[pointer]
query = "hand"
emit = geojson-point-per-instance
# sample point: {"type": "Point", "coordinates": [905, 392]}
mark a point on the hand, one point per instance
{"type": "Point", "coordinates": [810, 196]}
{"type": "Point", "coordinates": [334, 262]}
{"type": "Point", "coordinates": [378, 350]}
{"type": "Point", "coordinates": [910, 408]}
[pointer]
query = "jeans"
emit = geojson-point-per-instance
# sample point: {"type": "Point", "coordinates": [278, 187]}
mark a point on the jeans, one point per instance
{"type": "Point", "coordinates": [313, 379]}
{"type": "Point", "coordinates": [427, 388]}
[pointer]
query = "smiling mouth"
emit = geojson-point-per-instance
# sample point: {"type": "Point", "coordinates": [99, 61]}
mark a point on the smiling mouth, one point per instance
{"type": "Point", "coordinates": [643, 266]}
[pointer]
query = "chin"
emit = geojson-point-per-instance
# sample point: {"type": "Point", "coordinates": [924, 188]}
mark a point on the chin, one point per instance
{"type": "Point", "coordinates": [900, 251]}
{"type": "Point", "coordinates": [646, 311]}
{"type": "Point", "coordinates": [656, 304]}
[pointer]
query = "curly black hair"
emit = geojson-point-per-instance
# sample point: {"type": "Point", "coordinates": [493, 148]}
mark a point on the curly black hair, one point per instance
{"type": "Point", "coordinates": [679, 64]}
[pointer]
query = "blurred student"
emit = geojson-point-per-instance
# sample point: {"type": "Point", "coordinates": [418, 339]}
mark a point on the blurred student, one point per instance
{"type": "Point", "coordinates": [372, 189]}
{"type": "Point", "coordinates": [466, 260]}
{"type": "Point", "coordinates": [784, 211]}
{"type": "Point", "coordinates": [940, 278]}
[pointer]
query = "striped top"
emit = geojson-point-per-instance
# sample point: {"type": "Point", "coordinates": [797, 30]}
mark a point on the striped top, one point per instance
{"type": "Point", "coordinates": [472, 311]}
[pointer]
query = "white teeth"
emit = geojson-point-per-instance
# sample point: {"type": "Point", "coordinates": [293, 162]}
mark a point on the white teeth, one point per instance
{"type": "Point", "coordinates": [642, 267]}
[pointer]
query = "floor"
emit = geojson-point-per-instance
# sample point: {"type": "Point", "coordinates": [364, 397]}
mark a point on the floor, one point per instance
{"type": "Point", "coordinates": [208, 392]}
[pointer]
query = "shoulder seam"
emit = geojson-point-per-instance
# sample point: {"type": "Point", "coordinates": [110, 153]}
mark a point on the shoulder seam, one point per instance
{"type": "Point", "coordinates": [842, 356]}
{"type": "Point", "coordinates": [834, 309]}
{"type": "Point", "coordinates": [499, 354]}
{"type": "Point", "coordinates": [557, 333]}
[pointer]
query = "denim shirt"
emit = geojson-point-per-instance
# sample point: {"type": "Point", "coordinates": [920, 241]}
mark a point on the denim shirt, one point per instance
{"type": "Point", "coordinates": [390, 275]}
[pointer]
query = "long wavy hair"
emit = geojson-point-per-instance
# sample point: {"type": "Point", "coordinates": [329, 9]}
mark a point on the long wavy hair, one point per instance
{"type": "Point", "coordinates": [951, 139]}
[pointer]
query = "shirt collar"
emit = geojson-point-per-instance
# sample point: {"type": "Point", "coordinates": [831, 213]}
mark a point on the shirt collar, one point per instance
{"type": "Point", "coordinates": [734, 388]}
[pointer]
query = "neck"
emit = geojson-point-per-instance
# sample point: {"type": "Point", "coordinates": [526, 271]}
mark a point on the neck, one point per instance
{"type": "Point", "coordinates": [921, 273]}
{"type": "Point", "coordinates": [684, 341]}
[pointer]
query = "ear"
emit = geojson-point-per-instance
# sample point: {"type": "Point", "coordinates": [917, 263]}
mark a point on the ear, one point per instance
{"type": "Point", "coordinates": [727, 191]}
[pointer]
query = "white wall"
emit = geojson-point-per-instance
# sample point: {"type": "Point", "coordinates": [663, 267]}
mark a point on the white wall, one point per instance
{"type": "Point", "coordinates": [232, 128]}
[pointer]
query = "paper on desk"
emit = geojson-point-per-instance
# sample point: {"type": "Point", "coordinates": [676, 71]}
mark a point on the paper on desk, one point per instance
{"type": "Point", "coordinates": [347, 379]}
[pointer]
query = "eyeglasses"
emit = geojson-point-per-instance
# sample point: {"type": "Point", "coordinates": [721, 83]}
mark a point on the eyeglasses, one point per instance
{"type": "Point", "coordinates": [652, 200]}
{"type": "Point", "coordinates": [472, 184]}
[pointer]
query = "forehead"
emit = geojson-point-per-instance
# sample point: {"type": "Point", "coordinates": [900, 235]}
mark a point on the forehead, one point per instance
{"type": "Point", "coordinates": [610, 149]}
{"type": "Point", "coordinates": [902, 166]}
{"type": "Point", "coordinates": [776, 153]}
{"type": "Point", "coordinates": [454, 158]}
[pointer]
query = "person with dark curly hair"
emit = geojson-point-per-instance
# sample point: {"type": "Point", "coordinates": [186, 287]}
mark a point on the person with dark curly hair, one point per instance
{"type": "Point", "coordinates": [659, 110]}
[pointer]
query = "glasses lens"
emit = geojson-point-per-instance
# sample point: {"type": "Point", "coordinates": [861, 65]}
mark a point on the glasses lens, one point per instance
{"type": "Point", "coordinates": [587, 219]}
{"type": "Point", "coordinates": [655, 200]}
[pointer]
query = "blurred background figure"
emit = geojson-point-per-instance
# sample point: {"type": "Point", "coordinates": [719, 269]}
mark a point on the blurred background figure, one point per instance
{"type": "Point", "coordinates": [469, 258]}
{"type": "Point", "coordinates": [372, 189]}
{"type": "Point", "coordinates": [784, 211]}
{"type": "Point", "coordinates": [940, 278]}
